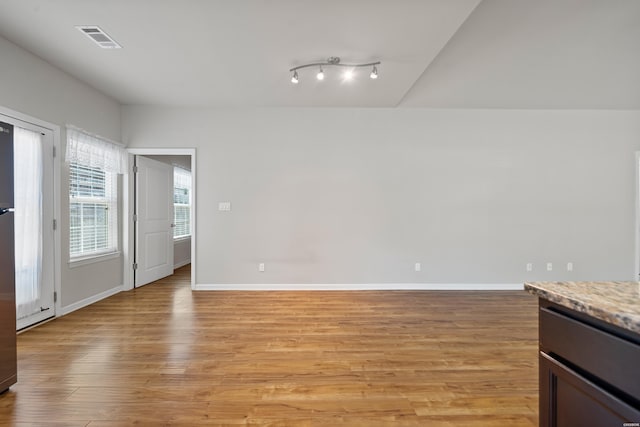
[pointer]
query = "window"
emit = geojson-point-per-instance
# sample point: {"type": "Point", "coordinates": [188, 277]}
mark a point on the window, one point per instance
{"type": "Point", "coordinates": [181, 203]}
{"type": "Point", "coordinates": [94, 165]}
{"type": "Point", "coordinates": [93, 211]}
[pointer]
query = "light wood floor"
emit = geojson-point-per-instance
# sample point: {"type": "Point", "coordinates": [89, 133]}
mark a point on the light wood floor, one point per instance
{"type": "Point", "coordinates": [163, 355]}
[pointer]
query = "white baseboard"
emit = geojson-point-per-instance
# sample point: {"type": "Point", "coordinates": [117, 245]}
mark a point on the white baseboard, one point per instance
{"type": "Point", "coordinates": [361, 287]}
{"type": "Point", "coordinates": [88, 301]}
{"type": "Point", "coordinates": [181, 264]}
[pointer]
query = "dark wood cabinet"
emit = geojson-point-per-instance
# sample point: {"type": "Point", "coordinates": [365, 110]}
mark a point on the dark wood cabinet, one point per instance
{"type": "Point", "coordinates": [589, 371]}
{"type": "Point", "coordinates": [568, 399]}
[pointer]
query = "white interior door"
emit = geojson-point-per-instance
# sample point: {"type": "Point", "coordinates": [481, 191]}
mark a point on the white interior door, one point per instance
{"type": "Point", "coordinates": [154, 225]}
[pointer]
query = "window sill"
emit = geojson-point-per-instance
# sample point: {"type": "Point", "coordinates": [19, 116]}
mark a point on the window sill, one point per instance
{"type": "Point", "coordinates": [181, 239]}
{"type": "Point", "coordinates": [92, 259]}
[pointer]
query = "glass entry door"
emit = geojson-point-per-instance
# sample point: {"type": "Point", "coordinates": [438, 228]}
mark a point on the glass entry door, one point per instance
{"type": "Point", "coordinates": [34, 227]}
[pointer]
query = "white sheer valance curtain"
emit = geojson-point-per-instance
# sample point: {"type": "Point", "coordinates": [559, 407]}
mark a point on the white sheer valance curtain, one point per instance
{"type": "Point", "coordinates": [95, 152]}
{"type": "Point", "coordinates": [28, 166]}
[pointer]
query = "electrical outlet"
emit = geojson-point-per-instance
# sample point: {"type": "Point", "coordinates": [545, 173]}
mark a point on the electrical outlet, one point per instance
{"type": "Point", "coordinates": [261, 266]}
{"type": "Point", "coordinates": [529, 266]}
{"type": "Point", "coordinates": [549, 266]}
{"type": "Point", "coordinates": [417, 267]}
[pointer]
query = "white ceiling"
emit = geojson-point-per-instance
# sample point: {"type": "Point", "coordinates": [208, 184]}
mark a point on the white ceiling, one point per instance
{"type": "Point", "coordinates": [553, 54]}
{"type": "Point", "coordinates": [434, 53]}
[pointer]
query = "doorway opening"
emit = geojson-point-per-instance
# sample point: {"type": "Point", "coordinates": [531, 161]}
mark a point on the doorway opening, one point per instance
{"type": "Point", "coordinates": [160, 207]}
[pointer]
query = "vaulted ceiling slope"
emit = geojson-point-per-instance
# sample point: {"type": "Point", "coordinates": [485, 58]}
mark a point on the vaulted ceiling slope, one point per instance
{"type": "Point", "coordinates": [549, 54]}
{"type": "Point", "coordinates": [434, 53]}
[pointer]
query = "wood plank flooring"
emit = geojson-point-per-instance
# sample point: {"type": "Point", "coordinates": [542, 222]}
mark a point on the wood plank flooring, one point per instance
{"type": "Point", "coordinates": [164, 355]}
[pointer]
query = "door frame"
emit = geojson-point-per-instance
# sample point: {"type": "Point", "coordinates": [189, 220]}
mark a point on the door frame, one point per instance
{"type": "Point", "coordinates": [636, 263]}
{"type": "Point", "coordinates": [129, 205]}
{"type": "Point", "coordinates": [57, 250]}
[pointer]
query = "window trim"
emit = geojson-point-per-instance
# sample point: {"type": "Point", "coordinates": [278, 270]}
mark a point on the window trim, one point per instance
{"type": "Point", "coordinates": [93, 258]}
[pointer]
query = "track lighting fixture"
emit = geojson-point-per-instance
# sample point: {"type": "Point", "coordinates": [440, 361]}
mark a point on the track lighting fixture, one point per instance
{"type": "Point", "coordinates": [334, 61]}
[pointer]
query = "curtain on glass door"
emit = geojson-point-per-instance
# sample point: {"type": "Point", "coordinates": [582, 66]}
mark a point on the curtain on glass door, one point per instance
{"type": "Point", "coordinates": [28, 167]}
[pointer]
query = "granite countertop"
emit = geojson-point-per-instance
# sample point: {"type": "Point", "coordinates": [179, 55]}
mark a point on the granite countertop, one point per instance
{"type": "Point", "coordinates": [617, 303]}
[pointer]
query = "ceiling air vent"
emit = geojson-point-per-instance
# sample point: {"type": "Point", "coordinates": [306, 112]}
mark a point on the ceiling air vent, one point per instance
{"type": "Point", "coordinates": [98, 36]}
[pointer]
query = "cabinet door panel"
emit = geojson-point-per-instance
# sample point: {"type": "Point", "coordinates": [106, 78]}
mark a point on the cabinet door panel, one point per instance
{"type": "Point", "coordinates": [569, 400]}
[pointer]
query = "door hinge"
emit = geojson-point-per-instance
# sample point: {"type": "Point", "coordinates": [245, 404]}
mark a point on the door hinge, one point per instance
{"type": "Point", "coordinates": [54, 151]}
{"type": "Point", "coordinates": [55, 224]}
{"type": "Point", "coordinates": [55, 296]}
{"type": "Point", "coordinates": [135, 265]}
{"type": "Point", "coordinates": [135, 217]}
{"type": "Point", "coordinates": [135, 169]}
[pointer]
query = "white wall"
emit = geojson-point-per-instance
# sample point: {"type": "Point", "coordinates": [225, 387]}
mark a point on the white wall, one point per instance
{"type": "Point", "coordinates": [175, 160]}
{"type": "Point", "coordinates": [359, 195]}
{"type": "Point", "coordinates": [181, 252]}
{"type": "Point", "coordinates": [33, 87]}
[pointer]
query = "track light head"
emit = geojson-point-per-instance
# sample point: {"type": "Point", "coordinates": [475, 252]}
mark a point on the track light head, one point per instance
{"type": "Point", "coordinates": [348, 75]}
{"type": "Point", "coordinates": [294, 78]}
{"type": "Point", "coordinates": [374, 73]}
{"type": "Point", "coordinates": [320, 75]}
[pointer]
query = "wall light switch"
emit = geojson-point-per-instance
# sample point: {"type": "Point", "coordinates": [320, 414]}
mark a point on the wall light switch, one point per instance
{"type": "Point", "coordinates": [549, 266]}
{"type": "Point", "coordinates": [569, 266]}
{"type": "Point", "coordinates": [224, 206]}
{"type": "Point", "coordinates": [417, 266]}
{"type": "Point", "coordinates": [261, 266]}
{"type": "Point", "coordinates": [529, 266]}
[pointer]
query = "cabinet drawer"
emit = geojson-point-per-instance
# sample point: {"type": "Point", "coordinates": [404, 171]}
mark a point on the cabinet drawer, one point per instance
{"type": "Point", "coordinates": [569, 400]}
{"type": "Point", "coordinates": [611, 359]}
